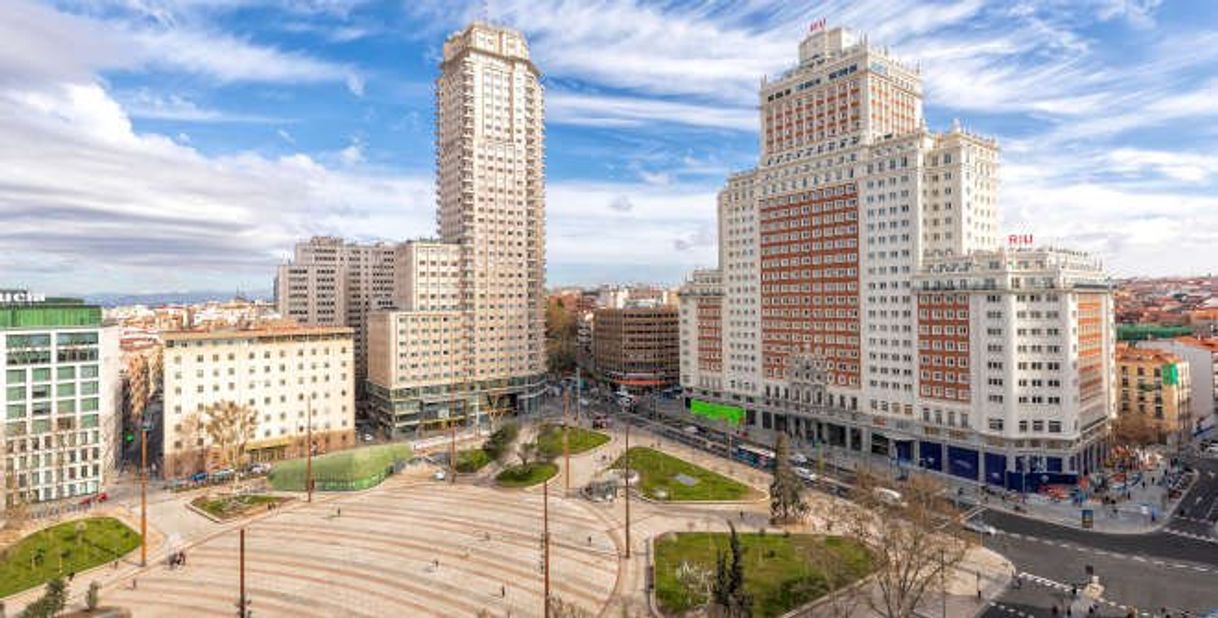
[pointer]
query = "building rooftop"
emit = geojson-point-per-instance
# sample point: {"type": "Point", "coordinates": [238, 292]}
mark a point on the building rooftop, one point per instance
{"type": "Point", "coordinates": [1132, 354]}
{"type": "Point", "coordinates": [256, 333]}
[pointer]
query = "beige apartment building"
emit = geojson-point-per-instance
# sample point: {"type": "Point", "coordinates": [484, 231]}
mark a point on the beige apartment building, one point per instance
{"type": "Point", "coordinates": [467, 333]}
{"type": "Point", "coordinates": [1157, 385]}
{"type": "Point", "coordinates": [287, 375]}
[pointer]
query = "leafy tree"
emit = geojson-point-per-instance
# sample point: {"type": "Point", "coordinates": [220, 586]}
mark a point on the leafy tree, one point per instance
{"type": "Point", "coordinates": [499, 445]}
{"type": "Point", "coordinates": [729, 599]}
{"type": "Point", "coordinates": [53, 600]}
{"type": "Point", "coordinates": [786, 491]}
{"type": "Point", "coordinates": [561, 330]}
{"type": "Point", "coordinates": [230, 426]}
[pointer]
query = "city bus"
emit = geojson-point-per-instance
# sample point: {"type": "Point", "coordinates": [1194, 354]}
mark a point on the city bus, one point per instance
{"type": "Point", "coordinates": [755, 456]}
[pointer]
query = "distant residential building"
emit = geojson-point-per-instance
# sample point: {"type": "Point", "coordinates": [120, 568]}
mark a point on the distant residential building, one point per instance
{"type": "Point", "coordinates": [1156, 384]}
{"type": "Point", "coordinates": [467, 333]}
{"type": "Point", "coordinates": [286, 375]}
{"type": "Point", "coordinates": [865, 298]}
{"type": "Point", "coordinates": [1201, 355]}
{"type": "Point", "coordinates": [334, 282]}
{"type": "Point", "coordinates": [61, 392]}
{"type": "Point", "coordinates": [637, 347]}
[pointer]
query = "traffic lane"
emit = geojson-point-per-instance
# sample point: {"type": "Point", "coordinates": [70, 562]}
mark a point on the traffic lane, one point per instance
{"type": "Point", "coordinates": [1031, 599]}
{"type": "Point", "coordinates": [1155, 544]}
{"type": "Point", "coordinates": [1133, 581]}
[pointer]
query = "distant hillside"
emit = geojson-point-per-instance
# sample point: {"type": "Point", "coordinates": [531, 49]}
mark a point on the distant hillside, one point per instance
{"type": "Point", "coordinates": [171, 298]}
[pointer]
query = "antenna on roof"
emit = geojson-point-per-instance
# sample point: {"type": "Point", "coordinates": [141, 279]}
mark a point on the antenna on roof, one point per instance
{"type": "Point", "coordinates": [484, 12]}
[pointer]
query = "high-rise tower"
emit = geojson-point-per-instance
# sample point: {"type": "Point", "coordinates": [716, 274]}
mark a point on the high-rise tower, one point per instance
{"type": "Point", "coordinates": [467, 336]}
{"type": "Point", "coordinates": [491, 193]}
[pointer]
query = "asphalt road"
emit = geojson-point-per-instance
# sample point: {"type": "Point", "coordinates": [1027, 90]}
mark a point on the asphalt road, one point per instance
{"type": "Point", "coordinates": [1145, 571]}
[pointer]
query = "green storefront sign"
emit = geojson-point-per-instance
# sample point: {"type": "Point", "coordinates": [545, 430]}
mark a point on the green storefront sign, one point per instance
{"type": "Point", "coordinates": [1171, 375]}
{"type": "Point", "coordinates": [717, 411]}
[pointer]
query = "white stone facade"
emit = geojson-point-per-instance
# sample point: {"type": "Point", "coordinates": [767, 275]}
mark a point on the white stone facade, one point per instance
{"type": "Point", "coordinates": [824, 249]}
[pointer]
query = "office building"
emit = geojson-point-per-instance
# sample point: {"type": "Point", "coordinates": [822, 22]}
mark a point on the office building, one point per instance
{"type": "Point", "coordinates": [62, 391]}
{"type": "Point", "coordinates": [636, 347]}
{"type": "Point", "coordinates": [865, 298]}
{"type": "Point", "coordinates": [286, 375]}
{"type": "Point", "coordinates": [467, 335]}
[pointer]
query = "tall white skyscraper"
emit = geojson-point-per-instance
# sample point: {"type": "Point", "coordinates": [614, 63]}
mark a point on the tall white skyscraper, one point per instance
{"type": "Point", "coordinates": [437, 357]}
{"type": "Point", "coordinates": [864, 297]}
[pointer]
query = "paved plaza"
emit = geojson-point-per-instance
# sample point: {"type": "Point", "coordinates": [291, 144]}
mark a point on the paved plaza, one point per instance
{"type": "Point", "coordinates": [402, 550]}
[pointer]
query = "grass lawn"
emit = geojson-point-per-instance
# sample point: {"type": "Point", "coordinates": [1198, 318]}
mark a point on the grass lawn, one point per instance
{"type": "Point", "coordinates": [658, 471]}
{"type": "Point", "coordinates": [778, 573]}
{"type": "Point", "coordinates": [472, 460]}
{"type": "Point", "coordinates": [356, 468]}
{"type": "Point", "coordinates": [581, 440]}
{"type": "Point", "coordinates": [37, 558]}
{"type": "Point", "coordinates": [231, 507]}
{"type": "Point", "coordinates": [525, 476]}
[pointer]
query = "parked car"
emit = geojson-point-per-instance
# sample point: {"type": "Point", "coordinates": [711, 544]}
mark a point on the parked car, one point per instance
{"type": "Point", "coordinates": [368, 437]}
{"type": "Point", "coordinates": [222, 474]}
{"type": "Point", "coordinates": [1212, 449]}
{"type": "Point", "coordinates": [804, 474]}
{"type": "Point", "coordinates": [798, 459]}
{"type": "Point", "coordinates": [198, 477]}
{"type": "Point", "coordinates": [888, 496]}
{"type": "Point", "coordinates": [980, 527]}
{"type": "Point", "coordinates": [439, 475]}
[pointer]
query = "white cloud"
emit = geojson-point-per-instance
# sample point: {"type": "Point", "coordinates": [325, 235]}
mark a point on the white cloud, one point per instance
{"type": "Point", "coordinates": [610, 111]}
{"type": "Point", "coordinates": [145, 104]}
{"type": "Point", "coordinates": [138, 202]}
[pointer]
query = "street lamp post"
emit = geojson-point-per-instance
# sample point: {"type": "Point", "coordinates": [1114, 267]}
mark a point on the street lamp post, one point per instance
{"type": "Point", "coordinates": [627, 478]}
{"type": "Point", "coordinates": [566, 440]}
{"type": "Point", "coordinates": [143, 493]}
{"type": "Point", "coordinates": [545, 543]}
{"type": "Point", "coordinates": [309, 448]}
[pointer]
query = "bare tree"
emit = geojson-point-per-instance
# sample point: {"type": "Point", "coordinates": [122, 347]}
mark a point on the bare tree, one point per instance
{"type": "Point", "coordinates": [563, 609]}
{"type": "Point", "coordinates": [192, 430]}
{"type": "Point", "coordinates": [156, 372]}
{"type": "Point", "coordinates": [911, 540]}
{"type": "Point", "coordinates": [137, 387]}
{"type": "Point", "coordinates": [230, 426]}
{"type": "Point", "coordinates": [786, 491]}
{"type": "Point", "coordinates": [1135, 429]}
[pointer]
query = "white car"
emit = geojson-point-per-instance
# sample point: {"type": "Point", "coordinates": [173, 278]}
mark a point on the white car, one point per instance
{"type": "Point", "coordinates": [439, 475]}
{"type": "Point", "coordinates": [804, 474]}
{"type": "Point", "coordinates": [980, 527]}
{"type": "Point", "coordinates": [798, 458]}
{"type": "Point", "coordinates": [1212, 449]}
{"type": "Point", "coordinates": [891, 497]}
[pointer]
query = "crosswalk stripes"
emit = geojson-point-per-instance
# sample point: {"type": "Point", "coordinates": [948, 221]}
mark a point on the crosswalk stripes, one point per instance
{"type": "Point", "coordinates": [1190, 535]}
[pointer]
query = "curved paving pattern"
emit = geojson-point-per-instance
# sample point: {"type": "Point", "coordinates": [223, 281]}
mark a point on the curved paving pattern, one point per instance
{"type": "Point", "coordinates": [378, 559]}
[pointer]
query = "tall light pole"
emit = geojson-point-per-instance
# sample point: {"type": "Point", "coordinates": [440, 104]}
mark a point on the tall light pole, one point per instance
{"type": "Point", "coordinates": [309, 448]}
{"type": "Point", "coordinates": [242, 603]}
{"type": "Point", "coordinates": [545, 544]}
{"type": "Point", "coordinates": [627, 477]}
{"type": "Point", "coordinates": [143, 492]}
{"type": "Point", "coordinates": [452, 450]}
{"type": "Point", "coordinates": [566, 440]}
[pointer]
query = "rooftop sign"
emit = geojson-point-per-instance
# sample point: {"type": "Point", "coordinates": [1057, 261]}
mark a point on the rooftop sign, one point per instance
{"type": "Point", "coordinates": [14, 297]}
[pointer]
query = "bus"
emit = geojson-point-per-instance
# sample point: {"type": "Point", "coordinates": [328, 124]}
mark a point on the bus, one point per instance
{"type": "Point", "coordinates": [755, 456]}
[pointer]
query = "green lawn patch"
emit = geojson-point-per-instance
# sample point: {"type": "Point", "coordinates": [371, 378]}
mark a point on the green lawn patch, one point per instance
{"type": "Point", "coordinates": [63, 549]}
{"type": "Point", "coordinates": [677, 479]}
{"type": "Point", "coordinates": [549, 439]}
{"type": "Point", "coordinates": [232, 507]}
{"type": "Point", "coordinates": [780, 572]}
{"type": "Point", "coordinates": [472, 460]}
{"type": "Point", "coordinates": [525, 476]}
{"type": "Point", "coordinates": [358, 468]}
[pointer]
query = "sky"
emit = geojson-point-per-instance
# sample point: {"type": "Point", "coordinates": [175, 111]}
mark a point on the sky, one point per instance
{"type": "Point", "coordinates": [172, 145]}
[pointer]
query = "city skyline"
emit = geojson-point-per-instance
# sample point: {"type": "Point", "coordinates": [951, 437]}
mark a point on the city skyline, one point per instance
{"type": "Point", "coordinates": [223, 137]}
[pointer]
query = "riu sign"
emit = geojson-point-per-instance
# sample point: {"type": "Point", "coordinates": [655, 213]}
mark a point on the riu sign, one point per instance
{"type": "Point", "coordinates": [12, 297]}
{"type": "Point", "coordinates": [1019, 240]}
{"type": "Point", "coordinates": [817, 25]}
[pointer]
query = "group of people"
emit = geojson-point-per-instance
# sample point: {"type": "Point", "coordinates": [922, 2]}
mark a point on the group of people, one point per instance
{"type": "Point", "coordinates": [177, 559]}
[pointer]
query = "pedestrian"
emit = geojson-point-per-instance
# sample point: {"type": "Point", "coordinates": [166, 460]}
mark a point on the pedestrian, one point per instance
{"type": "Point", "coordinates": [1073, 591]}
{"type": "Point", "coordinates": [1053, 612]}
{"type": "Point", "coordinates": [435, 562]}
{"type": "Point", "coordinates": [589, 540]}
{"type": "Point", "coordinates": [134, 583]}
{"type": "Point", "coordinates": [1069, 611]}
{"type": "Point", "coordinates": [71, 576]}
{"type": "Point", "coordinates": [503, 591]}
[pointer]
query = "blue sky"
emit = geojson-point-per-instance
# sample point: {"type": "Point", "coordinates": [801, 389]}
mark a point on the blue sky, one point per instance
{"type": "Point", "coordinates": [186, 144]}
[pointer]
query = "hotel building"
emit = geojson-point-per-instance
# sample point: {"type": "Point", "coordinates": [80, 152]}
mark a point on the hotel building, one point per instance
{"type": "Point", "coordinates": [865, 299]}
{"type": "Point", "coordinates": [287, 375]}
{"type": "Point", "coordinates": [467, 333]}
{"type": "Point", "coordinates": [61, 393]}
